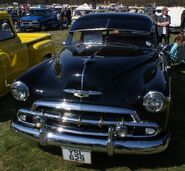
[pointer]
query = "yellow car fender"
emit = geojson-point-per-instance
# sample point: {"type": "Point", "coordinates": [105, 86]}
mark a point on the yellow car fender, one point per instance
{"type": "Point", "coordinates": [5, 73]}
{"type": "Point", "coordinates": [41, 51]}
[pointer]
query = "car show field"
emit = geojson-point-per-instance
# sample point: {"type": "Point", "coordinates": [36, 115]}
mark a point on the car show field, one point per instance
{"type": "Point", "coordinates": [19, 154]}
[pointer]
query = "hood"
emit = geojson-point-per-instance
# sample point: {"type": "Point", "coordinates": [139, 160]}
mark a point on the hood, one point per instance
{"type": "Point", "coordinates": [116, 81]}
{"type": "Point", "coordinates": [25, 18]}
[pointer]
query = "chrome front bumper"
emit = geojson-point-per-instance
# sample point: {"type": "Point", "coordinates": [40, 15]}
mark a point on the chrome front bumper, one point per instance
{"type": "Point", "coordinates": [109, 145]}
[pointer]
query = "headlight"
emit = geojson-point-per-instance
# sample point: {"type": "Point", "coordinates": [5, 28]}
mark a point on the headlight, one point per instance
{"type": "Point", "coordinates": [154, 101]}
{"type": "Point", "coordinates": [20, 91]}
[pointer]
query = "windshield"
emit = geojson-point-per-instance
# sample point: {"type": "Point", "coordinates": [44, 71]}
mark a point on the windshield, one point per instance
{"type": "Point", "coordinates": [109, 42]}
{"type": "Point", "coordinates": [37, 13]}
{"type": "Point", "coordinates": [111, 37]}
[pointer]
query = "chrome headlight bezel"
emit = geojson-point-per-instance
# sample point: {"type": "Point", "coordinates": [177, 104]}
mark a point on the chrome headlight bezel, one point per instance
{"type": "Point", "coordinates": [20, 91]}
{"type": "Point", "coordinates": [154, 96]}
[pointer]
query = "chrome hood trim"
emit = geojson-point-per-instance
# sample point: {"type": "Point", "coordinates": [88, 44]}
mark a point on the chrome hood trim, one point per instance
{"type": "Point", "coordinates": [82, 93]}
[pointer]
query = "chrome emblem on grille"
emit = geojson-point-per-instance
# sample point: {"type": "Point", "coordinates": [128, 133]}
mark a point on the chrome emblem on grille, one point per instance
{"type": "Point", "coordinates": [82, 93]}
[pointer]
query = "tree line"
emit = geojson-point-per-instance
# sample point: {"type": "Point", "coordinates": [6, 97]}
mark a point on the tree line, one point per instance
{"type": "Point", "coordinates": [124, 2]}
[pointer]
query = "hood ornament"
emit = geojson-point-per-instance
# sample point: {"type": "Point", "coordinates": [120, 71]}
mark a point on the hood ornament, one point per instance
{"type": "Point", "coordinates": [82, 93]}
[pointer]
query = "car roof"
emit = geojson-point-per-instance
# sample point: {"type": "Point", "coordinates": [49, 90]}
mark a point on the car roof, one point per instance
{"type": "Point", "coordinates": [124, 21]}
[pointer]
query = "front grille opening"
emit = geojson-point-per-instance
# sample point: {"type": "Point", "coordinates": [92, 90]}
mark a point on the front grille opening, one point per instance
{"type": "Point", "coordinates": [93, 128]}
{"type": "Point", "coordinates": [87, 115]}
{"type": "Point", "coordinates": [88, 122]}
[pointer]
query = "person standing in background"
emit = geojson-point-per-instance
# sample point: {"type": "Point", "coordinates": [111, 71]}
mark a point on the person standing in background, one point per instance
{"type": "Point", "coordinates": [163, 22]}
{"type": "Point", "coordinates": [59, 19]}
{"type": "Point", "coordinates": [68, 15]}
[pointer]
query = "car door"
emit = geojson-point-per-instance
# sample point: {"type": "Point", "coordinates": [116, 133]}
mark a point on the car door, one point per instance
{"type": "Point", "coordinates": [13, 55]}
{"type": "Point", "coordinates": [50, 20]}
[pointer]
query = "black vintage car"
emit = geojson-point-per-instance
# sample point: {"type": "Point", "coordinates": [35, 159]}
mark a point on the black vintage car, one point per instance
{"type": "Point", "coordinates": [108, 91]}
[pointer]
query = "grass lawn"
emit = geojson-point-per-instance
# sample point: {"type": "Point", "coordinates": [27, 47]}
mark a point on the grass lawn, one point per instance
{"type": "Point", "coordinates": [18, 154]}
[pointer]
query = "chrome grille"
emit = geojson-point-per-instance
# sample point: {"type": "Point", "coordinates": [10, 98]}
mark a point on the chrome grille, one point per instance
{"type": "Point", "coordinates": [85, 120]}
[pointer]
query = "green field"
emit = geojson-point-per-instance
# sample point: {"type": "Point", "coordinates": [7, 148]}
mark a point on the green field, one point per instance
{"type": "Point", "coordinates": [18, 154]}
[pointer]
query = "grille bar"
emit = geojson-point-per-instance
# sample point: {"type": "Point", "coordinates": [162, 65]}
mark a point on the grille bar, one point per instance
{"type": "Point", "coordinates": [67, 130]}
{"type": "Point", "coordinates": [82, 107]}
{"type": "Point", "coordinates": [86, 108]}
{"type": "Point", "coordinates": [85, 119]}
{"type": "Point", "coordinates": [78, 121]}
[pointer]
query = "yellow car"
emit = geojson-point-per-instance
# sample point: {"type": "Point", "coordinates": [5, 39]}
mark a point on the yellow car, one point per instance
{"type": "Point", "coordinates": [19, 51]}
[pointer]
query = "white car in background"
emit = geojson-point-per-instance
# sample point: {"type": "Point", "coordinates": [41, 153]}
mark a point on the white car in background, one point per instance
{"type": "Point", "coordinates": [175, 13]}
{"type": "Point", "coordinates": [158, 10]}
{"type": "Point", "coordinates": [82, 10]}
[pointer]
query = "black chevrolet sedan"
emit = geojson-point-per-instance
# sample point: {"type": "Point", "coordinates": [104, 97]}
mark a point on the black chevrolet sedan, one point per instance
{"type": "Point", "coordinates": [108, 91]}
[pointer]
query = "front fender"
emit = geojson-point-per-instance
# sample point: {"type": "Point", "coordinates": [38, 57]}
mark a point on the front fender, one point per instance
{"type": "Point", "coordinates": [40, 50]}
{"type": "Point", "coordinates": [5, 72]}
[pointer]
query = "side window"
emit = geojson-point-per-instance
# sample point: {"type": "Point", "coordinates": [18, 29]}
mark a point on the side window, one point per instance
{"type": "Point", "coordinates": [77, 38]}
{"type": "Point", "coordinates": [6, 31]}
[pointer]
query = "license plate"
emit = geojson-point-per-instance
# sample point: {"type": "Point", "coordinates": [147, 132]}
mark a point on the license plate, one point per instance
{"type": "Point", "coordinates": [76, 155]}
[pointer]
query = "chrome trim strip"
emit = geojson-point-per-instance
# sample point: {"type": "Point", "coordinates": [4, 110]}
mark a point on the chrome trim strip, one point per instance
{"type": "Point", "coordinates": [105, 29]}
{"type": "Point", "coordinates": [61, 129]}
{"type": "Point", "coordinates": [82, 93]}
{"type": "Point", "coordinates": [82, 78]}
{"type": "Point", "coordinates": [73, 131]}
{"type": "Point", "coordinates": [43, 130]}
{"type": "Point", "coordinates": [110, 145]}
{"type": "Point", "coordinates": [84, 121]}
{"type": "Point", "coordinates": [28, 132]}
{"type": "Point", "coordinates": [92, 144]}
{"type": "Point", "coordinates": [83, 107]}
